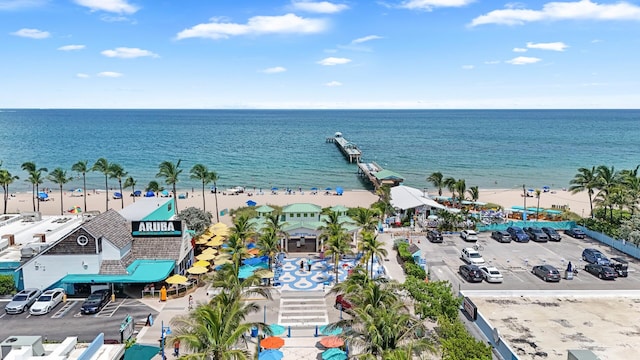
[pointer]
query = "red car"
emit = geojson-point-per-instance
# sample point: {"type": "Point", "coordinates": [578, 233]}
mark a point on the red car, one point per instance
{"type": "Point", "coordinates": [342, 303]}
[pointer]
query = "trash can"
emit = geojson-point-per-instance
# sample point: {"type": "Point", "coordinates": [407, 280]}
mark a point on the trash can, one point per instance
{"type": "Point", "coordinates": [568, 275]}
{"type": "Point", "coordinates": [254, 332]}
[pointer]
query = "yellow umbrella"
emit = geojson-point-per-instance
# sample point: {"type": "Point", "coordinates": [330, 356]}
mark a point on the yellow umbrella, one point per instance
{"type": "Point", "coordinates": [223, 256]}
{"type": "Point", "coordinates": [219, 226]}
{"type": "Point", "coordinates": [196, 270]}
{"type": "Point", "coordinates": [222, 232]}
{"type": "Point", "coordinates": [212, 243]}
{"type": "Point", "coordinates": [265, 274]}
{"type": "Point", "coordinates": [176, 279]}
{"type": "Point", "coordinates": [222, 261]}
{"type": "Point", "coordinates": [202, 263]}
{"type": "Point", "coordinates": [201, 240]}
{"type": "Point", "coordinates": [210, 251]}
{"type": "Point", "coordinates": [205, 257]}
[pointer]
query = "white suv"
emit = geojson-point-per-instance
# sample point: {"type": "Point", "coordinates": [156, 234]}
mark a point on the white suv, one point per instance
{"type": "Point", "coordinates": [469, 235]}
{"type": "Point", "coordinates": [471, 256]}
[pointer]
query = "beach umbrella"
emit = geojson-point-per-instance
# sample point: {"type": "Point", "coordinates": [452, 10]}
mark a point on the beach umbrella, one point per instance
{"type": "Point", "coordinates": [197, 270]}
{"type": "Point", "coordinates": [314, 189]}
{"type": "Point", "coordinates": [219, 225]}
{"type": "Point", "coordinates": [272, 342]}
{"type": "Point", "coordinates": [214, 242]}
{"type": "Point", "coordinates": [222, 261]}
{"type": "Point", "coordinates": [265, 274]}
{"type": "Point", "coordinates": [270, 354]}
{"type": "Point", "coordinates": [339, 190]}
{"type": "Point", "coordinates": [253, 251]}
{"type": "Point", "coordinates": [277, 329]}
{"type": "Point", "coordinates": [202, 263]}
{"type": "Point", "coordinates": [201, 240]}
{"type": "Point", "coordinates": [274, 189]}
{"type": "Point", "coordinates": [150, 194]}
{"type": "Point", "coordinates": [251, 203]}
{"type": "Point", "coordinates": [334, 354]}
{"type": "Point", "coordinates": [223, 256]}
{"type": "Point", "coordinates": [75, 210]}
{"type": "Point", "coordinates": [331, 342]}
{"type": "Point", "coordinates": [176, 279]}
{"type": "Point", "coordinates": [164, 193]}
{"type": "Point", "coordinates": [210, 251]}
{"type": "Point", "coordinates": [43, 195]}
{"type": "Point", "coordinates": [205, 257]}
{"type": "Point", "coordinates": [324, 330]}
{"type": "Point", "coordinates": [328, 189]}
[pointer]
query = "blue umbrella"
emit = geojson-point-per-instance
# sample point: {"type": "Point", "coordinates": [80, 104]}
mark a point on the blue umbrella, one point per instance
{"type": "Point", "coordinates": [339, 190]}
{"type": "Point", "coordinates": [165, 193]}
{"type": "Point", "coordinates": [251, 203]}
{"type": "Point", "coordinates": [251, 246]}
{"type": "Point", "coordinates": [328, 189]}
{"type": "Point", "coordinates": [314, 189]}
{"type": "Point", "coordinates": [150, 194]}
{"type": "Point", "coordinates": [251, 261]}
{"type": "Point", "coordinates": [274, 189]}
{"type": "Point", "coordinates": [271, 354]}
{"type": "Point", "coordinates": [43, 195]}
{"type": "Point", "coordinates": [325, 331]}
{"type": "Point", "coordinates": [137, 193]}
{"type": "Point", "coordinates": [334, 354]}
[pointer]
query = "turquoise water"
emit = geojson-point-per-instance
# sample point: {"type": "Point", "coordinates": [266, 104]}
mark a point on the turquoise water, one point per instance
{"type": "Point", "coordinates": [287, 148]}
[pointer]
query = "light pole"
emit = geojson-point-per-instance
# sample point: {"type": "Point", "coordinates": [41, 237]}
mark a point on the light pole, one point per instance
{"type": "Point", "coordinates": [524, 211]}
{"type": "Point", "coordinates": [166, 330]}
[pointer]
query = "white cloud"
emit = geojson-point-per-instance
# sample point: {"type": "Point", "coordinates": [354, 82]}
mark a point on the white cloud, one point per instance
{"type": "Point", "coordinates": [110, 74]}
{"type": "Point", "coordinates": [82, 75]}
{"type": "Point", "coordinates": [113, 6]}
{"type": "Point", "coordinates": [32, 33]}
{"type": "Point", "coordinates": [274, 70]}
{"type": "Point", "coordinates": [492, 62]}
{"type": "Point", "coordinates": [333, 83]}
{"type": "Point", "coordinates": [577, 10]}
{"type": "Point", "coordinates": [20, 4]}
{"type": "Point", "coordinates": [323, 7]}
{"type": "Point", "coordinates": [128, 53]}
{"type": "Point", "coordinates": [428, 5]}
{"type": "Point", "coordinates": [71, 47]}
{"type": "Point", "coordinates": [519, 50]}
{"type": "Point", "coordinates": [468, 67]}
{"type": "Point", "coordinates": [331, 61]}
{"type": "Point", "coordinates": [595, 41]}
{"type": "Point", "coordinates": [257, 25]}
{"type": "Point", "coordinates": [554, 46]}
{"type": "Point", "coordinates": [523, 60]}
{"type": "Point", "coordinates": [365, 39]}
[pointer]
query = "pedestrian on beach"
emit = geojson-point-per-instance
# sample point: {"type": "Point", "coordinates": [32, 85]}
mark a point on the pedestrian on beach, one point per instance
{"type": "Point", "coordinates": [301, 265]}
{"type": "Point", "coordinates": [309, 264]}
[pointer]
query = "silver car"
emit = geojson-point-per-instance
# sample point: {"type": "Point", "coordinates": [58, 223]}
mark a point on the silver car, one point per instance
{"type": "Point", "coordinates": [22, 301]}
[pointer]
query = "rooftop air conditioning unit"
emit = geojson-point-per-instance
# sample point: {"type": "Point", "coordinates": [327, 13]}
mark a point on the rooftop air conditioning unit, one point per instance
{"type": "Point", "coordinates": [17, 342]}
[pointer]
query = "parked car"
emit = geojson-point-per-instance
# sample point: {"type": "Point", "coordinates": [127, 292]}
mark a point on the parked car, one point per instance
{"type": "Point", "coordinates": [22, 300]}
{"type": "Point", "coordinates": [95, 302]}
{"type": "Point", "coordinates": [47, 301]}
{"type": "Point", "coordinates": [575, 233]}
{"type": "Point", "coordinates": [471, 273]}
{"type": "Point", "coordinates": [620, 265]}
{"type": "Point", "coordinates": [491, 274]}
{"type": "Point", "coordinates": [552, 233]}
{"type": "Point", "coordinates": [546, 272]}
{"type": "Point", "coordinates": [434, 236]}
{"type": "Point", "coordinates": [342, 303]}
{"type": "Point", "coordinates": [471, 256]}
{"type": "Point", "coordinates": [469, 235]}
{"type": "Point", "coordinates": [517, 234]}
{"type": "Point", "coordinates": [536, 234]}
{"type": "Point", "coordinates": [601, 271]}
{"type": "Point", "coordinates": [594, 256]}
{"type": "Point", "coordinates": [501, 236]}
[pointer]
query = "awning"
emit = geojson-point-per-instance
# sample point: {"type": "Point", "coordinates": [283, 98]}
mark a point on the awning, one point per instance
{"type": "Point", "coordinates": [405, 197]}
{"type": "Point", "coordinates": [140, 271]}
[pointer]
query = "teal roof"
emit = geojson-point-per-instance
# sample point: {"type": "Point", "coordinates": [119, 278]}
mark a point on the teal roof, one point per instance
{"type": "Point", "coordinates": [311, 225]}
{"type": "Point", "coordinates": [302, 208]}
{"type": "Point", "coordinates": [339, 209]}
{"type": "Point", "coordinates": [264, 209]}
{"type": "Point", "coordinates": [341, 219]}
{"type": "Point", "coordinates": [388, 175]}
{"type": "Point", "coordinates": [140, 271]}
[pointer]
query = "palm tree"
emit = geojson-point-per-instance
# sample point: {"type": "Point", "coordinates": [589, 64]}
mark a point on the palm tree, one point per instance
{"type": "Point", "coordinates": [5, 180]}
{"type": "Point", "coordinates": [336, 240]}
{"type": "Point", "coordinates": [31, 168]}
{"type": "Point", "coordinates": [154, 186]}
{"type": "Point", "coordinates": [170, 172]}
{"type": "Point", "coordinates": [130, 182]}
{"type": "Point", "coordinates": [269, 244]}
{"type": "Point", "coordinates": [537, 192]}
{"type": "Point", "coordinates": [82, 167]}
{"type": "Point", "coordinates": [371, 248]}
{"type": "Point", "coordinates": [461, 189]}
{"type": "Point", "coordinates": [102, 166]}
{"type": "Point", "coordinates": [450, 183]}
{"type": "Point", "coordinates": [117, 172]}
{"type": "Point", "coordinates": [437, 180]}
{"type": "Point", "coordinates": [367, 219]}
{"type": "Point", "coordinates": [243, 227]}
{"type": "Point", "coordinates": [384, 195]}
{"type": "Point", "coordinates": [200, 172]}
{"type": "Point", "coordinates": [474, 193]}
{"type": "Point", "coordinates": [59, 176]}
{"type": "Point", "coordinates": [608, 179]}
{"type": "Point", "coordinates": [585, 179]}
{"type": "Point", "coordinates": [214, 179]}
{"type": "Point", "coordinates": [36, 178]}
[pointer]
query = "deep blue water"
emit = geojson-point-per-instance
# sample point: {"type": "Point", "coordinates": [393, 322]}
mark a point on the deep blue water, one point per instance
{"type": "Point", "coordinates": [286, 148]}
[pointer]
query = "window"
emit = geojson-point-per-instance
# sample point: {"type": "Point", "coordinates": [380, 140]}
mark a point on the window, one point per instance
{"type": "Point", "coordinates": [298, 215]}
{"type": "Point", "coordinates": [306, 215]}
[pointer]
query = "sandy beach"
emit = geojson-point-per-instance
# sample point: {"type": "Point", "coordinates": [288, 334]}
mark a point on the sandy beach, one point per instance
{"type": "Point", "coordinates": [578, 203]}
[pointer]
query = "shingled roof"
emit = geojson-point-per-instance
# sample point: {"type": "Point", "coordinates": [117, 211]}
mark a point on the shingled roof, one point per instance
{"type": "Point", "coordinates": [113, 267]}
{"type": "Point", "coordinates": [111, 226]}
{"type": "Point", "coordinates": [161, 248]}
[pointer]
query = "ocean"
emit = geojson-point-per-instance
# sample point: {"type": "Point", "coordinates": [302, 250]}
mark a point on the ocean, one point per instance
{"type": "Point", "coordinates": [286, 148]}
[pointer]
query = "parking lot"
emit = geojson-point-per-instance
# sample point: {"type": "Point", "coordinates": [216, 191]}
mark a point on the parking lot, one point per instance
{"type": "Point", "coordinates": [66, 320]}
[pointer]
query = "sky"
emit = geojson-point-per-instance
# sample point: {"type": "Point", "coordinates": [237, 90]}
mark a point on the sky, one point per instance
{"type": "Point", "coordinates": [307, 54]}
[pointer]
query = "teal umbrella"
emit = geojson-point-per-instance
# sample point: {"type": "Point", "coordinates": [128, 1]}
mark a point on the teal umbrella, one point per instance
{"type": "Point", "coordinates": [334, 354]}
{"type": "Point", "coordinates": [324, 330]}
{"type": "Point", "coordinates": [277, 329]}
{"type": "Point", "coordinates": [270, 355]}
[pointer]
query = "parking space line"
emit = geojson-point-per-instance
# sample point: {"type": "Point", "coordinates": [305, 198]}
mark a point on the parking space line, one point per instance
{"type": "Point", "coordinates": [63, 310]}
{"type": "Point", "coordinates": [3, 315]}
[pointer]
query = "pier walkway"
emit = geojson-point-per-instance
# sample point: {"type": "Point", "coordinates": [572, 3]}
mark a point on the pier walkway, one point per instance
{"type": "Point", "coordinates": [350, 151]}
{"type": "Point", "coordinates": [378, 176]}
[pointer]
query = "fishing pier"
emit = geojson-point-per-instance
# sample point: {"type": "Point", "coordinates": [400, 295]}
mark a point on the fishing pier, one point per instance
{"type": "Point", "coordinates": [349, 150]}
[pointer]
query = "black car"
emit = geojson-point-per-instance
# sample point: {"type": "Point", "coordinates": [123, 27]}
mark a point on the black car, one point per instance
{"type": "Point", "coordinates": [552, 234]}
{"type": "Point", "coordinates": [501, 236]}
{"type": "Point", "coordinates": [95, 302]}
{"type": "Point", "coordinates": [575, 233]}
{"type": "Point", "coordinates": [601, 271]}
{"type": "Point", "coordinates": [434, 236]}
{"type": "Point", "coordinates": [471, 273]}
{"type": "Point", "coordinates": [536, 234]}
{"type": "Point", "coordinates": [620, 265]}
{"type": "Point", "coordinates": [546, 272]}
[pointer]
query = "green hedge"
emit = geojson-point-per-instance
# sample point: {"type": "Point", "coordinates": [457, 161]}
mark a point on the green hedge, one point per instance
{"type": "Point", "coordinates": [403, 253]}
{"type": "Point", "coordinates": [413, 269]}
{"type": "Point", "coordinates": [7, 285]}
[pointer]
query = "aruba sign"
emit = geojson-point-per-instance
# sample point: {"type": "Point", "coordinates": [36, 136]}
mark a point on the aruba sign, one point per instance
{"type": "Point", "coordinates": [156, 228]}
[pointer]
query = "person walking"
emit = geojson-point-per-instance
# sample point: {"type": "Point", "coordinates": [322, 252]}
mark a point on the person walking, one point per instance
{"type": "Point", "coordinates": [190, 302]}
{"type": "Point", "coordinates": [302, 265]}
{"type": "Point", "coordinates": [176, 348]}
{"type": "Point", "coordinates": [309, 265]}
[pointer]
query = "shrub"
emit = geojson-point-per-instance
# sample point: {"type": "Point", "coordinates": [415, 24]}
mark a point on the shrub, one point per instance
{"type": "Point", "coordinates": [412, 269]}
{"type": "Point", "coordinates": [7, 285]}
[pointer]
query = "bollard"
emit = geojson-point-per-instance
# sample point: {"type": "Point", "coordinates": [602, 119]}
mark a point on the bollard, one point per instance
{"type": "Point", "coordinates": [289, 331]}
{"type": "Point", "coordinates": [64, 297]}
{"type": "Point", "coordinates": [316, 335]}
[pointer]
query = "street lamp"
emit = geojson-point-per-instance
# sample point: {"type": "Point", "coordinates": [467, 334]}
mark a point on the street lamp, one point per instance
{"type": "Point", "coordinates": [166, 330]}
{"type": "Point", "coordinates": [524, 211]}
